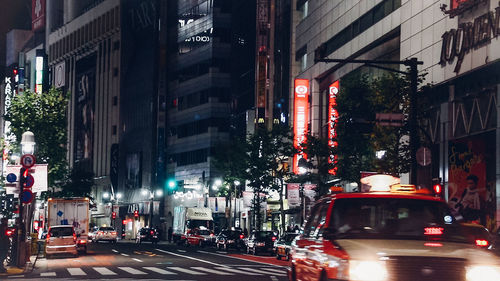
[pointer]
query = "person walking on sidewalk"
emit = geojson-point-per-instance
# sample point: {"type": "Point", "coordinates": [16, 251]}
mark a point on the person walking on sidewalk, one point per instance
{"type": "Point", "coordinates": [4, 244]}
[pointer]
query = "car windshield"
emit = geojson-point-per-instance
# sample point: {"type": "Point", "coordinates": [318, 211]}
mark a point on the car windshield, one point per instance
{"type": "Point", "coordinates": [106, 229]}
{"type": "Point", "coordinates": [61, 231]}
{"type": "Point", "coordinates": [263, 234]}
{"type": "Point", "coordinates": [204, 232]}
{"type": "Point", "coordinates": [394, 218]}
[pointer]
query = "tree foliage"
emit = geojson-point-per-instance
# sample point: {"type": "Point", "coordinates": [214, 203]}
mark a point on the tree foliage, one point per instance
{"type": "Point", "coordinates": [45, 116]}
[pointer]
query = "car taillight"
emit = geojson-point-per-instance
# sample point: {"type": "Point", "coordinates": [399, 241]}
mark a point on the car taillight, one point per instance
{"type": "Point", "coordinates": [82, 241]}
{"type": "Point", "coordinates": [100, 233]}
{"type": "Point", "coordinates": [482, 243]}
{"type": "Point", "coordinates": [274, 238]}
{"type": "Point", "coordinates": [242, 236]}
{"type": "Point", "coordinates": [152, 232]}
{"type": "Point", "coordinates": [212, 235]}
{"type": "Point", "coordinates": [48, 236]}
{"type": "Point", "coordinates": [8, 232]}
{"type": "Point", "coordinates": [113, 233]}
{"type": "Point", "coordinates": [74, 237]}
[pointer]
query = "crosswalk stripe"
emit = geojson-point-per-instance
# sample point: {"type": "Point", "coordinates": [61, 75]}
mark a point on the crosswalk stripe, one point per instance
{"type": "Point", "coordinates": [274, 270]}
{"type": "Point", "coordinates": [131, 270]}
{"type": "Point", "coordinates": [159, 270]}
{"type": "Point", "coordinates": [218, 272]}
{"type": "Point", "coordinates": [188, 271]}
{"type": "Point", "coordinates": [47, 274]}
{"type": "Point", "coordinates": [76, 271]}
{"type": "Point", "coordinates": [234, 270]}
{"type": "Point", "coordinates": [262, 270]}
{"type": "Point", "coordinates": [104, 271]}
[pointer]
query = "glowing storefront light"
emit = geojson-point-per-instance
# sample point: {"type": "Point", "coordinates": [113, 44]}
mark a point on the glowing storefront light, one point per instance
{"type": "Point", "coordinates": [332, 121]}
{"type": "Point", "coordinates": [301, 119]}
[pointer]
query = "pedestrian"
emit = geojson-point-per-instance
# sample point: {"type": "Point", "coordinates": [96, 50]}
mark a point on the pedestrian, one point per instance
{"type": "Point", "coordinates": [170, 232]}
{"type": "Point", "coordinates": [245, 232]}
{"type": "Point", "coordinates": [4, 244]}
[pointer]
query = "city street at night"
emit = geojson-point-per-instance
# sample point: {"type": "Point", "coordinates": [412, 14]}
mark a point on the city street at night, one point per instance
{"type": "Point", "coordinates": [127, 260]}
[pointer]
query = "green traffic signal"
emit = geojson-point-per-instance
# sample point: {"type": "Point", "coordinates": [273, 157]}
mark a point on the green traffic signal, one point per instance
{"type": "Point", "coordinates": [172, 184]}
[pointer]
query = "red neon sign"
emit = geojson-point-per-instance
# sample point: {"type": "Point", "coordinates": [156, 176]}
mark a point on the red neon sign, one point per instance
{"type": "Point", "coordinates": [300, 119]}
{"type": "Point", "coordinates": [333, 115]}
{"type": "Point", "coordinates": [433, 231]}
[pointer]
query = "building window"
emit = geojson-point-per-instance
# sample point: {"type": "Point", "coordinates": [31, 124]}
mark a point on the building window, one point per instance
{"type": "Point", "coordinates": [114, 130]}
{"type": "Point", "coordinates": [303, 8]}
{"type": "Point", "coordinates": [115, 100]}
{"type": "Point", "coordinates": [301, 57]}
{"type": "Point", "coordinates": [191, 157]}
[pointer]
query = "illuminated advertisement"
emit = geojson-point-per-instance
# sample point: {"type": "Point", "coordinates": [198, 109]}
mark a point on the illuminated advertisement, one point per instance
{"type": "Point", "coordinates": [300, 119]}
{"type": "Point", "coordinates": [333, 115]}
{"type": "Point", "coordinates": [37, 14]}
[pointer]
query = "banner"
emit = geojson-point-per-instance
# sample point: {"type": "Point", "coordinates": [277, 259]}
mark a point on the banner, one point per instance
{"type": "Point", "coordinates": [300, 119]}
{"type": "Point", "coordinates": [332, 122]}
{"type": "Point", "coordinates": [293, 195]}
{"type": "Point", "coordinates": [470, 194]}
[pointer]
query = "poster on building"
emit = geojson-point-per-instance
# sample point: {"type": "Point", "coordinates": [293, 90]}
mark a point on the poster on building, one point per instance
{"type": "Point", "coordinates": [293, 195]}
{"type": "Point", "coordinates": [470, 193]}
{"type": "Point", "coordinates": [247, 199]}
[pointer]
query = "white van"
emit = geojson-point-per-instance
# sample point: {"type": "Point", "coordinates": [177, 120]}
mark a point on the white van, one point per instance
{"type": "Point", "coordinates": [61, 239]}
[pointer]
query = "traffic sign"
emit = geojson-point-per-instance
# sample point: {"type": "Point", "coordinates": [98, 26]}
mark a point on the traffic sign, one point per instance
{"type": "Point", "coordinates": [30, 181]}
{"type": "Point", "coordinates": [28, 160]}
{"type": "Point", "coordinates": [26, 196]}
{"type": "Point", "coordinates": [11, 177]}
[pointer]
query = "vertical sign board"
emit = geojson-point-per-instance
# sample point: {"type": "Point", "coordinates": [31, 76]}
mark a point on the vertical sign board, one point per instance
{"type": "Point", "coordinates": [300, 119]}
{"type": "Point", "coordinates": [333, 115]}
{"type": "Point", "coordinates": [37, 14]}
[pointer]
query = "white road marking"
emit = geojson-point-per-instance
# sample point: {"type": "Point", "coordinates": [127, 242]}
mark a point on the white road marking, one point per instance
{"type": "Point", "coordinates": [181, 251]}
{"type": "Point", "coordinates": [203, 252]}
{"type": "Point", "coordinates": [125, 255]}
{"type": "Point", "coordinates": [218, 272]}
{"type": "Point", "coordinates": [137, 259]}
{"type": "Point", "coordinates": [228, 256]}
{"type": "Point", "coordinates": [16, 276]}
{"type": "Point", "coordinates": [104, 271]}
{"type": "Point", "coordinates": [188, 271]}
{"type": "Point", "coordinates": [76, 271]}
{"type": "Point", "coordinates": [159, 270]}
{"type": "Point", "coordinates": [274, 278]}
{"type": "Point", "coordinates": [115, 251]}
{"type": "Point", "coordinates": [273, 270]}
{"type": "Point", "coordinates": [132, 270]}
{"type": "Point", "coordinates": [221, 252]}
{"type": "Point", "coordinates": [263, 271]}
{"type": "Point", "coordinates": [239, 271]}
{"type": "Point", "coordinates": [187, 257]}
{"type": "Point", "coordinates": [47, 274]}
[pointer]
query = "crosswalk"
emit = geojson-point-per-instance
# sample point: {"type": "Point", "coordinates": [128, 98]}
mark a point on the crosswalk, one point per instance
{"type": "Point", "coordinates": [170, 270]}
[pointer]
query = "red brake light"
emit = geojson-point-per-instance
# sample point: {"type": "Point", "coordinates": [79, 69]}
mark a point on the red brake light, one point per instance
{"type": "Point", "coordinates": [433, 231]}
{"type": "Point", "coordinates": [152, 232]}
{"type": "Point", "coordinates": [437, 189]}
{"type": "Point", "coordinates": [242, 236]}
{"type": "Point", "coordinates": [274, 238]}
{"type": "Point", "coordinates": [100, 233]}
{"type": "Point", "coordinates": [113, 233]}
{"type": "Point", "coordinates": [8, 232]}
{"type": "Point", "coordinates": [82, 241]}
{"type": "Point", "coordinates": [74, 237]}
{"type": "Point", "coordinates": [48, 236]}
{"type": "Point", "coordinates": [433, 244]}
{"type": "Point", "coordinates": [482, 243]}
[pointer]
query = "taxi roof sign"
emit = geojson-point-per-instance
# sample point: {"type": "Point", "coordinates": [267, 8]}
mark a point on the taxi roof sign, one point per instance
{"type": "Point", "coordinates": [403, 188]}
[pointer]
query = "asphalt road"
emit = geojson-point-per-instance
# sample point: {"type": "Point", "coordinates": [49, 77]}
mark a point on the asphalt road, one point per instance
{"type": "Point", "coordinates": [129, 261]}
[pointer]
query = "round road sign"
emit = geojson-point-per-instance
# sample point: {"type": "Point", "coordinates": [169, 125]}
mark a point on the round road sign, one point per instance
{"type": "Point", "coordinates": [11, 177]}
{"type": "Point", "coordinates": [26, 196]}
{"type": "Point", "coordinates": [30, 181]}
{"type": "Point", "coordinates": [28, 160]}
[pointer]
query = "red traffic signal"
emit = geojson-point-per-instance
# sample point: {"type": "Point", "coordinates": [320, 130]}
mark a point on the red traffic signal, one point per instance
{"type": "Point", "coordinates": [124, 222]}
{"type": "Point", "coordinates": [438, 189]}
{"type": "Point", "coordinates": [14, 71]}
{"type": "Point", "coordinates": [136, 213]}
{"type": "Point", "coordinates": [113, 215]}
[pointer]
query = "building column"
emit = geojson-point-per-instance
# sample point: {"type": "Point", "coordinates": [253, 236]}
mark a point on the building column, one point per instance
{"type": "Point", "coordinates": [497, 159]}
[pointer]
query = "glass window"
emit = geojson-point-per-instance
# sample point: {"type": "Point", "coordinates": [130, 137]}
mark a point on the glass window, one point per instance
{"type": "Point", "coordinates": [303, 62]}
{"type": "Point", "coordinates": [304, 9]}
{"type": "Point", "coordinates": [61, 231]}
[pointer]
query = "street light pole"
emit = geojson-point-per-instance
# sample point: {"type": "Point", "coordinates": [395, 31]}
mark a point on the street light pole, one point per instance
{"type": "Point", "coordinates": [412, 115]}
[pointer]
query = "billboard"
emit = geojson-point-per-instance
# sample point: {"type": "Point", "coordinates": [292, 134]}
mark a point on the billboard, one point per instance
{"type": "Point", "coordinates": [37, 14]}
{"type": "Point", "coordinates": [300, 119]}
{"type": "Point", "coordinates": [293, 195]}
{"type": "Point", "coordinates": [333, 115]}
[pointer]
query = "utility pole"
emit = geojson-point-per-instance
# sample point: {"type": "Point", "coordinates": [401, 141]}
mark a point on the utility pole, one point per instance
{"type": "Point", "coordinates": [412, 115]}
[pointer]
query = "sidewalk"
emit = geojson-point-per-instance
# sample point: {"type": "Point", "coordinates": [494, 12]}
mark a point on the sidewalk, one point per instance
{"type": "Point", "coordinates": [14, 270]}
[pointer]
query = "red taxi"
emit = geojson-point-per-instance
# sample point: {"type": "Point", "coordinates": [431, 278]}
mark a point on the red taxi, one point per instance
{"type": "Point", "coordinates": [387, 236]}
{"type": "Point", "coordinates": [200, 237]}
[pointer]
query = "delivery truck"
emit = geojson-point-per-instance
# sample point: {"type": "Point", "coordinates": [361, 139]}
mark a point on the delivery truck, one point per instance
{"type": "Point", "coordinates": [74, 212]}
{"type": "Point", "coordinates": [193, 226]}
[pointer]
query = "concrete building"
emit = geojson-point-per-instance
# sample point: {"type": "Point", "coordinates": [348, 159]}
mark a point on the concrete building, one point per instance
{"type": "Point", "coordinates": [458, 44]}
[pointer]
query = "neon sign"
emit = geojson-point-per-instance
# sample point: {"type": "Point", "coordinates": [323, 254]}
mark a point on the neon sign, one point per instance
{"type": "Point", "coordinates": [333, 115]}
{"type": "Point", "coordinates": [301, 119]}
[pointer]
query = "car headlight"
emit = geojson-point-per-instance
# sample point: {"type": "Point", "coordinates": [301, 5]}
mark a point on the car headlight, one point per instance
{"type": "Point", "coordinates": [367, 271]}
{"type": "Point", "coordinates": [483, 273]}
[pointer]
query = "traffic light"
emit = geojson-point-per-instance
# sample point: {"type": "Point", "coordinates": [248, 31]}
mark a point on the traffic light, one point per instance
{"type": "Point", "coordinates": [22, 178]}
{"type": "Point", "coordinates": [113, 215]}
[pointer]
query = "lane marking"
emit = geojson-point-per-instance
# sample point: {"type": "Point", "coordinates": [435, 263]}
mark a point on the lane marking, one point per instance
{"type": "Point", "coordinates": [16, 276]}
{"type": "Point", "coordinates": [131, 270]}
{"type": "Point", "coordinates": [47, 274]}
{"type": "Point", "coordinates": [263, 271]}
{"type": "Point", "coordinates": [188, 271]}
{"type": "Point", "coordinates": [239, 271]}
{"type": "Point", "coordinates": [181, 251]}
{"type": "Point", "coordinates": [221, 252]}
{"type": "Point", "coordinates": [137, 259]}
{"type": "Point", "coordinates": [113, 250]}
{"type": "Point", "coordinates": [159, 270]}
{"type": "Point", "coordinates": [125, 255]}
{"type": "Point", "coordinates": [104, 271]}
{"type": "Point", "coordinates": [274, 278]}
{"type": "Point", "coordinates": [274, 270]}
{"type": "Point", "coordinates": [75, 271]}
{"type": "Point", "coordinates": [188, 257]}
{"type": "Point", "coordinates": [227, 256]}
{"type": "Point", "coordinates": [208, 270]}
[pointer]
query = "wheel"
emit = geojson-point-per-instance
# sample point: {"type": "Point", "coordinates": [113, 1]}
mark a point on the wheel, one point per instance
{"type": "Point", "coordinates": [254, 251]}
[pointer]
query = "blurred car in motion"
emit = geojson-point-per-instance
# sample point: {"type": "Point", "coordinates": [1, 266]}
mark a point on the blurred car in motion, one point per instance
{"type": "Point", "coordinates": [230, 239]}
{"type": "Point", "coordinates": [391, 235]}
{"type": "Point", "coordinates": [105, 234]}
{"type": "Point", "coordinates": [261, 242]}
{"type": "Point", "coordinates": [147, 234]}
{"type": "Point", "coordinates": [200, 237]}
{"type": "Point", "coordinates": [284, 245]}
{"type": "Point", "coordinates": [61, 239]}
{"type": "Point", "coordinates": [477, 235]}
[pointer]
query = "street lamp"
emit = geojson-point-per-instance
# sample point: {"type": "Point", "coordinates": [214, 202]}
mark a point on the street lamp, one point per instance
{"type": "Point", "coordinates": [28, 143]}
{"type": "Point", "coordinates": [105, 195]}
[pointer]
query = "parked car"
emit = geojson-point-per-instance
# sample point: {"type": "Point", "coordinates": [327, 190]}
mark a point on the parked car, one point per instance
{"type": "Point", "coordinates": [147, 234]}
{"type": "Point", "coordinates": [230, 239]}
{"type": "Point", "coordinates": [105, 234]}
{"type": "Point", "coordinates": [261, 242]}
{"type": "Point", "coordinates": [200, 237]}
{"type": "Point", "coordinates": [61, 239]}
{"type": "Point", "coordinates": [283, 246]}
